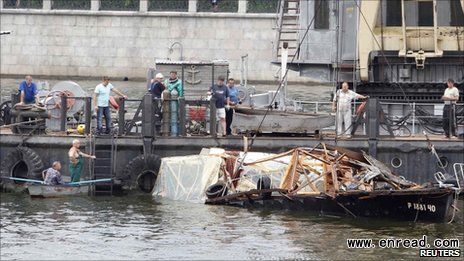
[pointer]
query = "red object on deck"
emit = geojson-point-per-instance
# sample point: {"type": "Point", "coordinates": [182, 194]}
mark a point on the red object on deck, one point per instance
{"type": "Point", "coordinates": [114, 103]}
{"type": "Point", "coordinates": [197, 113]}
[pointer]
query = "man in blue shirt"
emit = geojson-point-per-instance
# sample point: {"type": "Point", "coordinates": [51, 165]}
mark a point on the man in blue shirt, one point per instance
{"type": "Point", "coordinates": [101, 97]}
{"type": "Point", "coordinates": [233, 101]}
{"type": "Point", "coordinates": [29, 92]}
{"type": "Point", "coordinates": [221, 93]}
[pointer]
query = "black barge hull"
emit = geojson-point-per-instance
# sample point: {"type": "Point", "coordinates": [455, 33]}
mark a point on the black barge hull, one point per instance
{"type": "Point", "coordinates": [432, 205]}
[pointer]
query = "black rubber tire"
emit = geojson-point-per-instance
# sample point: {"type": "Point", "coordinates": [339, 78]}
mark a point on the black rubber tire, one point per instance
{"type": "Point", "coordinates": [23, 162]}
{"type": "Point", "coordinates": [216, 190]}
{"type": "Point", "coordinates": [264, 182]}
{"type": "Point", "coordinates": [141, 173]}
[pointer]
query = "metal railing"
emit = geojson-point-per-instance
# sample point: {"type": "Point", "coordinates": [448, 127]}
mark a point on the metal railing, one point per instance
{"type": "Point", "coordinates": [120, 5]}
{"type": "Point", "coordinates": [168, 5]}
{"type": "Point", "coordinates": [27, 4]}
{"type": "Point", "coordinates": [227, 6]}
{"type": "Point", "coordinates": [262, 6]}
{"type": "Point", "coordinates": [71, 5]}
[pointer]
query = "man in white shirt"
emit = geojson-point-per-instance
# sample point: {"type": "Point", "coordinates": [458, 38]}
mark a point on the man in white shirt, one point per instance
{"type": "Point", "coordinates": [101, 97]}
{"type": "Point", "coordinates": [450, 97]}
{"type": "Point", "coordinates": [342, 105]}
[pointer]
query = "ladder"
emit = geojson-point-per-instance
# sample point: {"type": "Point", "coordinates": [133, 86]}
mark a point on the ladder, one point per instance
{"type": "Point", "coordinates": [103, 164]}
{"type": "Point", "coordinates": [288, 28]}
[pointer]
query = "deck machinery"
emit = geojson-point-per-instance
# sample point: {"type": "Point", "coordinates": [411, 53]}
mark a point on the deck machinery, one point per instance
{"type": "Point", "coordinates": [397, 51]}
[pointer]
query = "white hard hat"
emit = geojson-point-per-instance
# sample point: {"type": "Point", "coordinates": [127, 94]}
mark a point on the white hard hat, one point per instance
{"type": "Point", "coordinates": [159, 76]}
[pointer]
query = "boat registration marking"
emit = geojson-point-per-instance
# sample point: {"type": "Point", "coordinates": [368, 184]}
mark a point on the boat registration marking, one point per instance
{"type": "Point", "coordinates": [422, 207]}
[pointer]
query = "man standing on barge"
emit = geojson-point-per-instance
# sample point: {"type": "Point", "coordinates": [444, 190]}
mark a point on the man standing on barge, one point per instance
{"type": "Point", "coordinates": [101, 99]}
{"type": "Point", "coordinates": [450, 97]}
{"type": "Point", "coordinates": [29, 91]}
{"type": "Point", "coordinates": [342, 105]}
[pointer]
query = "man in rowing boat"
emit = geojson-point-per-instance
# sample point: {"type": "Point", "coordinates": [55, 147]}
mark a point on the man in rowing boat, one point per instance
{"type": "Point", "coordinates": [53, 175]}
{"type": "Point", "coordinates": [76, 160]}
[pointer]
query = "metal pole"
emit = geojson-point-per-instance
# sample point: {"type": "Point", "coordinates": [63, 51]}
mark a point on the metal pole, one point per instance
{"type": "Point", "coordinates": [182, 116]}
{"type": "Point", "coordinates": [413, 118]}
{"type": "Point", "coordinates": [64, 109]}
{"type": "Point", "coordinates": [166, 112]}
{"type": "Point", "coordinates": [88, 114]}
{"type": "Point", "coordinates": [212, 117]}
{"type": "Point", "coordinates": [121, 116]}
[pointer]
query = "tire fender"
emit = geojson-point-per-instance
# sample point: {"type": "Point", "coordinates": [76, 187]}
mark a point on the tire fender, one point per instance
{"type": "Point", "coordinates": [141, 173]}
{"type": "Point", "coordinates": [23, 162]}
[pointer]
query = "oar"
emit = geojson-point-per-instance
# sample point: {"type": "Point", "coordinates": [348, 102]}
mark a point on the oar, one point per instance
{"type": "Point", "coordinates": [89, 181]}
{"type": "Point", "coordinates": [25, 180]}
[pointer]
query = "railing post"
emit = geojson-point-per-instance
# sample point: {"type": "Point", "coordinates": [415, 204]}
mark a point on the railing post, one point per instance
{"type": "Point", "coordinates": [413, 118]}
{"type": "Point", "coordinates": [192, 6]}
{"type": "Point", "coordinates": [64, 109]}
{"type": "Point", "coordinates": [174, 113]}
{"type": "Point", "coordinates": [147, 116]}
{"type": "Point", "coordinates": [212, 117]}
{"type": "Point", "coordinates": [47, 5]}
{"type": "Point", "coordinates": [182, 116]}
{"type": "Point", "coordinates": [88, 114]}
{"type": "Point", "coordinates": [143, 6]}
{"type": "Point", "coordinates": [121, 116]}
{"type": "Point", "coordinates": [242, 6]}
{"type": "Point", "coordinates": [94, 5]}
{"type": "Point", "coordinates": [166, 113]}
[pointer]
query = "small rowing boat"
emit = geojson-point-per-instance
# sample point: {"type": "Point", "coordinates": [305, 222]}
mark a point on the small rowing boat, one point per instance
{"type": "Point", "coordinates": [53, 191]}
{"type": "Point", "coordinates": [37, 188]}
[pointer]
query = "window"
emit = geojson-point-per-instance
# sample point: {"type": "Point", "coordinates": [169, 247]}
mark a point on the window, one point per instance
{"type": "Point", "coordinates": [391, 13]}
{"type": "Point", "coordinates": [449, 13]}
{"type": "Point", "coordinates": [419, 13]}
{"type": "Point", "coordinates": [321, 14]}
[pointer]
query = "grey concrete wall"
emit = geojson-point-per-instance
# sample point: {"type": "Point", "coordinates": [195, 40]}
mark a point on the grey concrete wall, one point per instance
{"type": "Point", "coordinates": [118, 44]}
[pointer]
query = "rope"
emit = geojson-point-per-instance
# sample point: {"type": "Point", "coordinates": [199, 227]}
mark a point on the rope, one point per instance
{"type": "Point", "coordinates": [282, 81]}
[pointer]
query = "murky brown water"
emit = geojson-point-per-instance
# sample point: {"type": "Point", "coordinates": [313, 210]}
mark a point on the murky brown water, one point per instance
{"type": "Point", "coordinates": [142, 228]}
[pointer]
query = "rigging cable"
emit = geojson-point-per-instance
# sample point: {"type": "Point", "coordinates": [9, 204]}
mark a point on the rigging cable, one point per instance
{"type": "Point", "coordinates": [282, 81]}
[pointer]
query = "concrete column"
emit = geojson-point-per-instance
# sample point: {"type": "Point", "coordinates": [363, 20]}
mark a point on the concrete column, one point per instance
{"type": "Point", "coordinates": [47, 5]}
{"type": "Point", "coordinates": [94, 5]}
{"type": "Point", "coordinates": [242, 6]}
{"type": "Point", "coordinates": [1, 5]}
{"type": "Point", "coordinates": [192, 8]}
{"type": "Point", "coordinates": [143, 6]}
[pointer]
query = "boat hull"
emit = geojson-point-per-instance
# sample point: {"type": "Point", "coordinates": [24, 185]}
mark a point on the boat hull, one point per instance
{"type": "Point", "coordinates": [47, 191]}
{"type": "Point", "coordinates": [414, 205]}
{"type": "Point", "coordinates": [246, 119]}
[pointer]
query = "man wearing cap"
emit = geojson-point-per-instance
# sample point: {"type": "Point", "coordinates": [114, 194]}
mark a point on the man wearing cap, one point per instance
{"type": "Point", "coordinates": [450, 97]}
{"type": "Point", "coordinates": [101, 97]}
{"type": "Point", "coordinates": [156, 89]}
{"type": "Point", "coordinates": [157, 86]}
{"type": "Point", "coordinates": [221, 93]}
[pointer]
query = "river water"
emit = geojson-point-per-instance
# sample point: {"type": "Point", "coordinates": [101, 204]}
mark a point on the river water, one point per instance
{"type": "Point", "coordinates": [144, 228]}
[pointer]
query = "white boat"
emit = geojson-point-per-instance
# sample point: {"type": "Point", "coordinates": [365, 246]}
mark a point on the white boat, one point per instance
{"type": "Point", "coordinates": [247, 118]}
{"type": "Point", "coordinates": [53, 191]}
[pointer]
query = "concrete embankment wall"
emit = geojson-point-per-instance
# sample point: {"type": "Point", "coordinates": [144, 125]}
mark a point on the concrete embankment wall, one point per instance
{"type": "Point", "coordinates": [125, 44]}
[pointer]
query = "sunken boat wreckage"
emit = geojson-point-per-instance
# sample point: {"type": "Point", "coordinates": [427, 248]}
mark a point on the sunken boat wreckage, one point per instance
{"type": "Point", "coordinates": [325, 178]}
{"type": "Point", "coordinates": [400, 53]}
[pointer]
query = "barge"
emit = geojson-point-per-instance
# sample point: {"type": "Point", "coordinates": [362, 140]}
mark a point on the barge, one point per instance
{"type": "Point", "coordinates": [370, 44]}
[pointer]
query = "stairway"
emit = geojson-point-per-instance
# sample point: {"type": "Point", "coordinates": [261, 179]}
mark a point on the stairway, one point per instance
{"type": "Point", "coordinates": [288, 28]}
{"type": "Point", "coordinates": [103, 165]}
